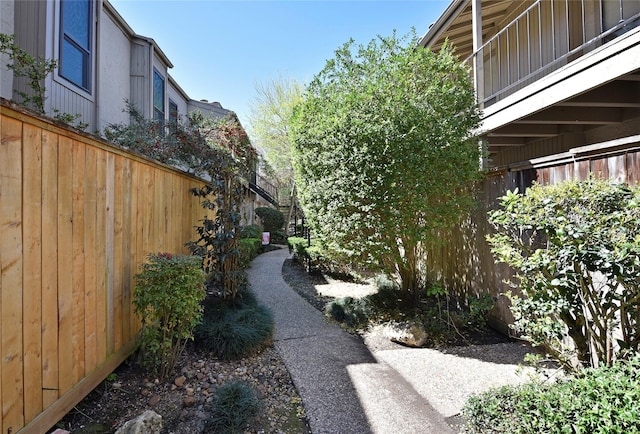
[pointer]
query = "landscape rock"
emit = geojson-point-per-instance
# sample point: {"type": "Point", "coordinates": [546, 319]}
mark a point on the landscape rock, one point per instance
{"type": "Point", "coordinates": [409, 333]}
{"type": "Point", "coordinates": [148, 422]}
{"type": "Point", "coordinates": [180, 381]}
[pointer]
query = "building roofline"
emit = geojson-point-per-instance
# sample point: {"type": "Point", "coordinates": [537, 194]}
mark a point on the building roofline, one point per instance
{"type": "Point", "coordinates": [133, 35]}
{"type": "Point", "coordinates": [436, 29]}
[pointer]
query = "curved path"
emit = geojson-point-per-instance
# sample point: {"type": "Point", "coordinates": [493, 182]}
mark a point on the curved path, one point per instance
{"type": "Point", "coordinates": [343, 387]}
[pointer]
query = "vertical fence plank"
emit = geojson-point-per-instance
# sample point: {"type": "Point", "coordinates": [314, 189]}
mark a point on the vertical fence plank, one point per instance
{"type": "Point", "coordinates": [90, 254]}
{"type": "Point", "coordinates": [136, 237]}
{"type": "Point", "coordinates": [117, 254]}
{"type": "Point", "coordinates": [49, 268]}
{"type": "Point", "coordinates": [32, 270]}
{"type": "Point", "coordinates": [101, 255]}
{"type": "Point", "coordinates": [65, 253]}
{"type": "Point", "coordinates": [127, 234]}
{"type": "Point", "coordinates": [109, 250]}
{"type": "Point", "coordinates": [78, 266]}
{"type": "Point", "coordinates": [11, 274]}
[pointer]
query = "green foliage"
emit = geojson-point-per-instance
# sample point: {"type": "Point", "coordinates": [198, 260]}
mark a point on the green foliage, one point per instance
{"type": "Point", "coordinates": [603, 400]}
{"type": "Point", "coordinates": [251, 231]}
{"type": "Point", "coordinates": [353, 312]}
{"type": "Point", "coordinates": [25, 65]}
{"type": "Point", "coordinates": [168, 295]}
{"type": "Point", "coordinates": [271, 112]}
{"type": "Point", "coordinates": [576, 249]}
{"type": "Point", "coordinates": [235, 328]}
{"type": "Point", "coordinates": [249, 249]}
{"type": "Point", "coordinates": [35, 70]}
{"type": "Point", "coordinates": [384, 152]}
{"type": "Point", "coordinates": [218, 236]}
{"type": "Point", "coordinates": [236, 403]}
{"type": "Point", "coordinates": [272, 219]}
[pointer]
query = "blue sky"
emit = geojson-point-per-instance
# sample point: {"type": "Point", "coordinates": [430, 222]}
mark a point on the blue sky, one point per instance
{"type": "Point", "coordinates": [221, 49]}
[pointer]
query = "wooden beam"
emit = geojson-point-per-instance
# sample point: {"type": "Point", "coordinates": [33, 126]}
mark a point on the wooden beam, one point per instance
{"type": "Point", "coordinates": [506, 141]}
{"type": "Point", "coordinates": [574, 115]}
{"type": "Point", "coordinates": [615, 94]}
{"type": "Point", "coordinates": [519, 130]}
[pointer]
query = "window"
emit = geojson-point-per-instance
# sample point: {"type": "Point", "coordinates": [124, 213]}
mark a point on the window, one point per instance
{"type": "Point", "coordinates": [173, 114]}
{"type": "Point", "coordinates": [75, 42]}
{"type": "Point", "coordinates": [158, 96]}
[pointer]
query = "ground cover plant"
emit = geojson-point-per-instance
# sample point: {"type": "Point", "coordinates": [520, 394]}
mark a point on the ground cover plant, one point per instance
{"type": "Point", "coordinates": [234, 328]}
{"type": "Point", "coordinates": [602, 400]}
{"type": "Point", "coordinates": [375, 140]}
{"type": "Point", "coordinates": [576, 249]}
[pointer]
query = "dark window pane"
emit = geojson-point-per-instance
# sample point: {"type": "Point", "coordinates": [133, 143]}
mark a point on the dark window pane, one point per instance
{"type": "Point", "coordinates": [158, 92]}
{"type": "Point", "coordinates": [72, 64]}
{"type": "Point", "coordinates": [75, 21]}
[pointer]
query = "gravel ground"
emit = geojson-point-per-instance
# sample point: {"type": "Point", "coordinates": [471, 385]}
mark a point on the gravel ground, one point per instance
{"type": "Point", "coordinates": [185, 399]}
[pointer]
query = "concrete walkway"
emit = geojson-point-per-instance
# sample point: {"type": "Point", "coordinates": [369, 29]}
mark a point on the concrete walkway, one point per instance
{"type": "Point", "coordinates": [343, 387]}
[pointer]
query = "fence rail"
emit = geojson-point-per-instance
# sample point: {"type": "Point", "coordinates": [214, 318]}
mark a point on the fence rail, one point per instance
{"type": "Point", "coordinates": [77, 218]}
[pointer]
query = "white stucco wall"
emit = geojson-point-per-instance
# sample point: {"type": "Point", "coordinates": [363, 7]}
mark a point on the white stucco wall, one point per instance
{"type": "Point", "coordinates": [115, 64]}
{"type": "Point", "coordinates": [6, 26]}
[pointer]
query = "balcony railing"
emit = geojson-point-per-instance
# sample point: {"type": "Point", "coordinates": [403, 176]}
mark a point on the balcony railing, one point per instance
{"type": "Point", "coordinates": [264, 188]}
{"type": "Point", "coordinates": [546, 36]}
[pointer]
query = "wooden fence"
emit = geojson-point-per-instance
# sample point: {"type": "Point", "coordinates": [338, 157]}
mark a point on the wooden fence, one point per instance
{"type": "Point", "coordinates": [466, 264]}
{"type": "Point", "coordinates": [77, 218]}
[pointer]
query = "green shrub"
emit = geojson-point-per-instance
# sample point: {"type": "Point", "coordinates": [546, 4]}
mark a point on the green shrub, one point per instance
{"type": "Point", "coordinates": [232, 329]}
{"type": "Point", "coordinates": [603, 400]}
{"type": "Point", "coordinates": [168, 297]}
{"type": "Point", "coordinates": [249, 249]}
{"type": "Point", "coordinates": [353, 312]}
{"type": "Point", "coordinates": [235, 406]}
{"type": "Point", "coordinates": [272, 219]}
{"type": "Point", "coordinates": [575, 247]}
{"type": "Point", "coordinates": [278, 237]}
{"type": "Point", "coordinates": [251, 231]}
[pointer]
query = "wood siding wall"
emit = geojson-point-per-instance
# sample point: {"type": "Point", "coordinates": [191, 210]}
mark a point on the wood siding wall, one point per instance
{"type": "Point", "coordinates": [466, 264]}
{"type": "Point", "coordinates": [77, 218]}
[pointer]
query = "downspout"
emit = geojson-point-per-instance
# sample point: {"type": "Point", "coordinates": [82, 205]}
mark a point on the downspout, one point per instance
{"type": "Point", "coordinates": [96, 85]}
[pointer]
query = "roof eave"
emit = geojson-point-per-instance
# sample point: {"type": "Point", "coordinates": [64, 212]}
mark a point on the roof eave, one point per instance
{"type": "Point", "coordinates": [441, 24]}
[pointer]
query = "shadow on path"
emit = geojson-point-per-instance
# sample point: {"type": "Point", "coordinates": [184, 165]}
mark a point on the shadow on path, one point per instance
{"type": "Point", "coordinates": [343, 388]}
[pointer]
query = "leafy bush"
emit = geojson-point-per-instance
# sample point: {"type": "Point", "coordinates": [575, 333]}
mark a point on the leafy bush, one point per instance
{"type": "Point", "coordinates": [353, 312]}
{"type": "Point", "coordinates": [603, 400]}
{"type": "Point", "coordinates": [235, 328]}
{"type": "Point", "coordinates": [236, 403]}
{"type": "Point", "coordinates": [251, 231]}
{"type": "Point", "coordinates": [249, 249]}
{"type": "Point", "coordinates": [168, 297]}
{"type": "Point", "coordinates": [272, 219]}
{"type": "Point", "coordinates": [576, 249]}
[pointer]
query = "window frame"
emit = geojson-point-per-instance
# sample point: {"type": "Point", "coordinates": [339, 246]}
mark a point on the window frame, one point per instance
{"type": "Point", "coordinates": [88, 53]}
{"type": "Point", "coordinates": [155, 109]}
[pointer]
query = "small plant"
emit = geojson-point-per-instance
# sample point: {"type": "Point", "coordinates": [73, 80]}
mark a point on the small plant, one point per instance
{"type": "Point", "coordinates": [353, 312]}
{"type": "Point", "coordinates": [235, 406]}
{"type": "Point", "coordinates": [235, 328]}
{"type": "Point", "coordinates": [168, 297]}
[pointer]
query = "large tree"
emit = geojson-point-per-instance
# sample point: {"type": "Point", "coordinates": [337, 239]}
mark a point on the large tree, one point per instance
{"type": "Point", "coordinates": [270, 117]}
{"type": "Point", "coordinates": [384, 152]}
